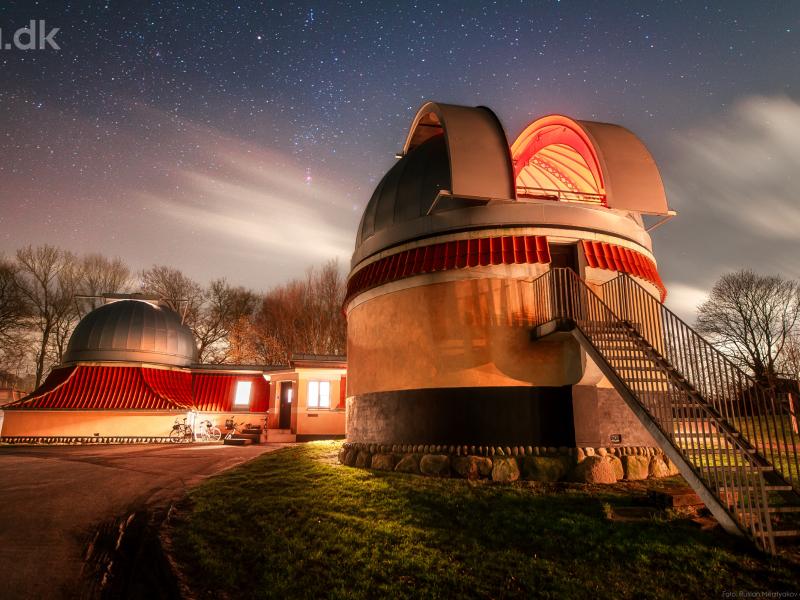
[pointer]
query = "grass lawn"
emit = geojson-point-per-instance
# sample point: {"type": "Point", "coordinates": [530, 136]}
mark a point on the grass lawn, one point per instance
{"type": "Point", "coordinates": [296, 524]}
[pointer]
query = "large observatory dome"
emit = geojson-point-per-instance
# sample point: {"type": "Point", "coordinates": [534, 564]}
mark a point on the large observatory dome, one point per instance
{"type": "Point", "coordinates": [408, 190]}
{"type": "Point", "coordinates": [132, 331]}
{"type": "Point", "coordinates": [442, 274]}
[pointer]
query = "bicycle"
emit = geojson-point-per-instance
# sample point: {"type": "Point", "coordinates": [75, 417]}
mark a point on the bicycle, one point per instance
{"type": "Point", "coordinates": [232, 427]}
{"type": "Point", "coordinates": [208, 432]}
{"type": "Point", "coordinates": [181, 432]}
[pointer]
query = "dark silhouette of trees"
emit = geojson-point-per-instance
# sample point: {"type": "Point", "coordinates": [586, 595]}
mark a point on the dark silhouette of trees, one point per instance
{"type": "Point", "coordinates": [44, 291]}
{"type": "Point", "coordinates": [14, 314]}
{"type": "Point", "coordinates": [47, 280]}
{"type": "Point", "coordinates": [301, 316]}
{"type": "Point", "coordinates": [225, 309]}
{"type": "Point", "coordinates": [181, 293]}
{"type": "Point", "coordinates": [101, 275]}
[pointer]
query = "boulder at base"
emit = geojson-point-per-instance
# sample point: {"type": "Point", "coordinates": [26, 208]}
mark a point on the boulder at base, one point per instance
{"type": "Point", "coordinates": [363, 460]}
{"type": "Point", "coordinates": [546, 468]}
{"type": "Point", "coordinates": [472, 467]}
{"type": "Point", "coordinates": [636, 467]}
{"type": "Point", "coordinates": [594, 469]}
{"type": "Point", "coordinates": [505, 469]}
{"type": "Point", "coordinates": [658, 468]}
{"type": "Point", "coordinates": [616, 464]}
{"type": "Point", "coordinates": [407, 464]}
{"type": "Point", "coordinates": [436, 465]}
{"type": "Point", "coordinates": [383, 462]}
{"type": "Point", "coordinates": [673, 469]}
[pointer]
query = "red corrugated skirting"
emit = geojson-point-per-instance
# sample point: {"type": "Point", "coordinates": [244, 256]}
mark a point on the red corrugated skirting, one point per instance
{"type": "Point", "coordinates": [138, 388]}
{"type": "Point", "coordinates": [216, 391]}
{"type": "Point", "coordinates": [602, 255]}
{"type": "Point", "coordinates": [100, 387]}
{"type": "Point", "coordinates": [458, 254]}
{"type": "Point", "coordinates": [175, 385]}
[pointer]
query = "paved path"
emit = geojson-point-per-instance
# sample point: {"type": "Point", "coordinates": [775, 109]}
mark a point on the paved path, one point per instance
{"type": "Point", "coordinates": [53, 498]}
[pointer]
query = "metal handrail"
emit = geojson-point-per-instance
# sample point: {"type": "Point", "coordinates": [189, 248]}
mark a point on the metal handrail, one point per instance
{"type": "Point", "coordinates": [686, 387]}
{"type": "Point", "coordinates": [754, 410]}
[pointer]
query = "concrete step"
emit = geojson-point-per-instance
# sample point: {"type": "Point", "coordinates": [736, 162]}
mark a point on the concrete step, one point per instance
{"type": "Point", "coordinates": [675, 498]}
{"type": "Point", "coordinates": [280, 435]}
{"type": "Point", "coordinates": [786, 533]}
{"type": "Point", "coordinates": [784, 509]}
{"type": "Point", "coordinates": [237, 441]}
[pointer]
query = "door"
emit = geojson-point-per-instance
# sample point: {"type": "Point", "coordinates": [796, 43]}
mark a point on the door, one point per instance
{"type": "Point", "coordinates": [567, 292]}
{"type": "Point", "coordinates": [287, 393]}
{"type": "Point", "coordinates": [564, 256]}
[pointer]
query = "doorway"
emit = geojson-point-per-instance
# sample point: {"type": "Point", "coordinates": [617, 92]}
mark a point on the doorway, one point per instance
{"type": "Point", "coordinates": [568, 301]}
{"type": "Point", "coordinates": [564, 256]}
{"type": "Point", "coordinates": [287, 393]}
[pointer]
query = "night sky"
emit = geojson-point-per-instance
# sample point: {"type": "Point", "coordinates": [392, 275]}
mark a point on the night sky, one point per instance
{"type": "Point", "coordinates": [244, 139]}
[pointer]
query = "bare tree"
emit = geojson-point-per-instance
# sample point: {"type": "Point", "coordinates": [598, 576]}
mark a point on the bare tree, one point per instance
{"type": "Point", "coordinates": [224, 309]}
{"type": "Point", "coordinates": [92, 276]}
{"type": "Point", "coordinates": [751, 318]}
{"type": "Point", "coordinates": [14, 313]}
{"type": "Point", "coordinates": [181, 293]}
{"type": "Point", "coordinates": [302, 316]}
{"type": "Point", "coordinates": [101, 275]}
{"type": "Point", "coordinates": [790, 360]}
{"type": "Point", "coordinates": [47, 281]}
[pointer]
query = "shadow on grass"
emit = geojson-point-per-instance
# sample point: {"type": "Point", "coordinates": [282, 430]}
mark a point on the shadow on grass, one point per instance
{"type": "Point", "coordinates": [295, 524]}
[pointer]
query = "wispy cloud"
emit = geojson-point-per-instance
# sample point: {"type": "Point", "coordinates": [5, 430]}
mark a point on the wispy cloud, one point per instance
{"type": "Point", "coordinates": [747, 165]}
{"type": "Point", "coordinates": [684, 300]}
{"type": "Point", "coordinates": [267, 212]}
{"type": "Point", "coordinates": [735, 181]}
{"type": "Point", "coordinates": [252, 204]}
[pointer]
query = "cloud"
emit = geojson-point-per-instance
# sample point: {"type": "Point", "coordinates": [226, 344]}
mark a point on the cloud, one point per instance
{"type": "Point", "coordinates": [254, 208]}
{"type": "Point", "coordinates": [683, 300]}
{"type": "Point", "coordinates": [735, 182]}
{"type": "Point", "coordinates": [260, 205]}
{"type": "Point", "coordinates": [747, 165]}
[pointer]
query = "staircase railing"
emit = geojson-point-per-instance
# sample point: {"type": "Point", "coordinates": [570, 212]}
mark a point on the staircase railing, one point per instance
{"type": "Point", "coordinates": [693, 397]}
{"type": "Point", "coordinates": [759, 414]}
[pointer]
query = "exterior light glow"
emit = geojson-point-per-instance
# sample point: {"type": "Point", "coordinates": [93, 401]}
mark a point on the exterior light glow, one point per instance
{"type": "Point", "coordinates": [243, 389]}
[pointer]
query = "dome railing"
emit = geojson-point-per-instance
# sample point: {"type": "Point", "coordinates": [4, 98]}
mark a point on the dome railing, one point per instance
{"type": "Point", "coordinates": [556, 195]}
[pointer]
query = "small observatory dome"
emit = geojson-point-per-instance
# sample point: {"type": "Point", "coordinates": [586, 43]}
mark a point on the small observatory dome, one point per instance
{"type": "Point", "coordinates": [132, 331]}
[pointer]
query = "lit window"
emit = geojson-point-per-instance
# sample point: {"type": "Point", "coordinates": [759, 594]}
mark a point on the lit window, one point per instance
{"type": "Point", "coordinates": [243, 389]}
{"type": "Point", "coordinates": [319, 394]}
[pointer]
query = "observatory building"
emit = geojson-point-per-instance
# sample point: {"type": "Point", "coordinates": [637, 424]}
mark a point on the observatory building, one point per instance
{"type": "Point", "coordinates": [130, 372]}
{"type": "Point", "coordinates": [440, 288]}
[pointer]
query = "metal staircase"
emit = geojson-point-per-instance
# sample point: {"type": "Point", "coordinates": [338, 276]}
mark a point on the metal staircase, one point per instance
{"type": "Point", "coordinates": [731, 439]}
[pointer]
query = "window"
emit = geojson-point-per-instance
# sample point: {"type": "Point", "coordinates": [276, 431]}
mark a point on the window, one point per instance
{"type": "Point", "coordinates": [319, 394]}
{"type": "Point", "coordinates": [242, 397]}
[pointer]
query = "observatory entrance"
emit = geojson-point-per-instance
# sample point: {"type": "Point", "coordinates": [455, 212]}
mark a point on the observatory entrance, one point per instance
{"type": "Point", "coordinates": [564, 256]}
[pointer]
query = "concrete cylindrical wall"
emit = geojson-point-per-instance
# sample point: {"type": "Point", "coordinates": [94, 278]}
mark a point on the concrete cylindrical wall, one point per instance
{"type": "Point", "coordinates": [447, 358]}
